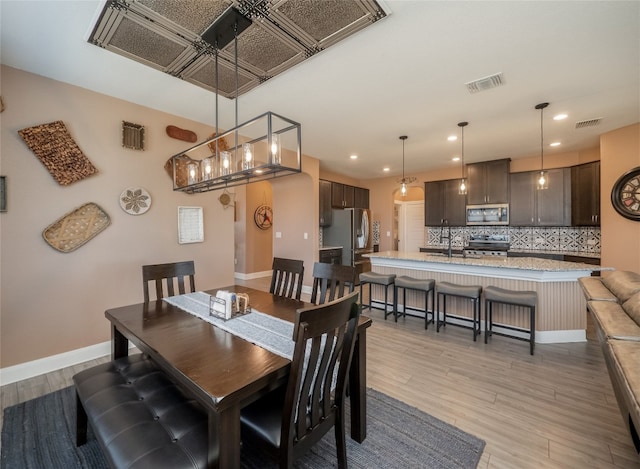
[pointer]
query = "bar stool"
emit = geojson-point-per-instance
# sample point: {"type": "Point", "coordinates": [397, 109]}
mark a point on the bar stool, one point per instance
{"type": "Point", "coordinates": [409, 283]}
{"type": "Point", "coordinates": [525, 299]}
{"type": "Point", "coordinates": [471, 292]}
{"type": "Point", "coordinates": [374, 278]}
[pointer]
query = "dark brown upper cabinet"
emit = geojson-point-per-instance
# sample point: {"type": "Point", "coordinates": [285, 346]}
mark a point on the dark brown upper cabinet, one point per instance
{"type": "Point", "coordinates": [326, 215]}
{"type": "Point", "coordinates": [488, 182]}
{"type": "Point", "coordinates": [549, 207]}
{"type": "Point", "coordinates": [442, 202]}
{"type": "Point", "coordinates": [585, 194]}
{"type": "Point", "coordinates": [341, 195]}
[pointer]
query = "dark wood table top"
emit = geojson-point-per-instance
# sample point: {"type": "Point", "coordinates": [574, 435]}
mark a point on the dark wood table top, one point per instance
{"type": "Point", "coordinates": [220, 368]}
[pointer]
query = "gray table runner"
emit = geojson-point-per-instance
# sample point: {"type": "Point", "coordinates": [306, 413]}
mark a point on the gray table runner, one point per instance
{"type": "Point", "coordinates": [272, 334]}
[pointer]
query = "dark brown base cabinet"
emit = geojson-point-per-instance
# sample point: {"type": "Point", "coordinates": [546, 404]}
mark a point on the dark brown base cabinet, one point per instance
{"type": "Point", "coordinates": [549, 207]}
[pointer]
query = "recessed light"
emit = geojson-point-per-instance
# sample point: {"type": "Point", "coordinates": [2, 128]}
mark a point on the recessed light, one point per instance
{"type": "Point", "coordinates": [559, 117]}
{"type": "Point", "coordinates": [354, 157]}
{"type": "Point", "coordinates": [455, 158]}
{"type": "Point", "coordinates": [554, 144]}
{"type": "Point", "coordinates": [385, 169]}
{"type": "Point", "coordinates": [452, 138]}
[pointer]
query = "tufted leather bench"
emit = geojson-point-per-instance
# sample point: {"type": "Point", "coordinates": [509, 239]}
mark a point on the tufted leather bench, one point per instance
{"type": "Point", "coordinates": [140, 418]}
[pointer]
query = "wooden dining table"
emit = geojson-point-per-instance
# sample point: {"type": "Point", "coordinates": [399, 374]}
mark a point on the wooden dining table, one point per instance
{"type": "Point", "coordinates": [220, 370]}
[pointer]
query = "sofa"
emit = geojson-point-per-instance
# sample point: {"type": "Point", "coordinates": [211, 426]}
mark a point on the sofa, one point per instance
{"type": "Point", "coordinates": [613, 300]}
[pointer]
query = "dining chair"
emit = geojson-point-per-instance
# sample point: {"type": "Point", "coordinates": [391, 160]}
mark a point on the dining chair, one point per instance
{"type": "Point", "coordinates": [292, 418]}
{"type": "Point", "coordinates": [287, 276]}
{"type": "Point", "coordinates": [331, 281]}
{"type": "Point", "coordinates": [168, 274]}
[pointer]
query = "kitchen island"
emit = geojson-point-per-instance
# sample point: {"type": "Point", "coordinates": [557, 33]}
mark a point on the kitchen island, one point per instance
{"type": "Point", "coordinates": [561, 310]}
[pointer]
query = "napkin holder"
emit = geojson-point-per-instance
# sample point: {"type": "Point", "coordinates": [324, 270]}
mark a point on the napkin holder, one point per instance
{"type": "Point", "coordinates": [227, 304]}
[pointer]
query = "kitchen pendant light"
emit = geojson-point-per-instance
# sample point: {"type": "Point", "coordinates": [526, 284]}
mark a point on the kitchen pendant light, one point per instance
{"type": "Point", "coordinates": [462, 189]}
{"type": "Point", "coordinates": [265, 147]}
{"type": "Point", "coordinates": [543, 177]}
{"type": "Point", "coordinates": [405, 180]}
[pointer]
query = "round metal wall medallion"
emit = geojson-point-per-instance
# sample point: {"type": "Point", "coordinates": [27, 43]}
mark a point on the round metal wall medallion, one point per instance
{"type": "Point", "coordinates": [135, 200]}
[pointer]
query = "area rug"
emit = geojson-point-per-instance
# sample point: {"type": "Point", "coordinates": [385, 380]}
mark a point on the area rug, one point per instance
{"type": "Point", "coordinates": [40, 434]}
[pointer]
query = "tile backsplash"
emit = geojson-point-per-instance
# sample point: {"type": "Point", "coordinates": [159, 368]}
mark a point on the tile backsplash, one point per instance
{"type": "Point", "coordinates": [564, 238]}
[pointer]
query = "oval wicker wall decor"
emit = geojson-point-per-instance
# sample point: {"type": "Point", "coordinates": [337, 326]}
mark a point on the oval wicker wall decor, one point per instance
{"type": "Point", "coordinates": [77, 227]}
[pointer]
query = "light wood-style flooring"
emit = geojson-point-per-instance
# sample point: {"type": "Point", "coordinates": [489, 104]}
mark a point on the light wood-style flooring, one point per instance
{"type": "Point", "coordinates": [553, 410]}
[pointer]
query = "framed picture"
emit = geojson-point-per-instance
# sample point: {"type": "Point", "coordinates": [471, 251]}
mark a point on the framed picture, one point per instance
{"type": "Point", "coordinates": [3, 193]}
{"type": "Point", "coordinates": [190, 225]}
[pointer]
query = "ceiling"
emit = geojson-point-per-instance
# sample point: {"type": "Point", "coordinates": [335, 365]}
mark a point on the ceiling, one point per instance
{"type": "Point", "coordinates": [405, 74]}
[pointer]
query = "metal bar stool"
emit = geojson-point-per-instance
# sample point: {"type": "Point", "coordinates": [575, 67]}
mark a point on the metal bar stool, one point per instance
{"type": "Point", "coordinates": [374, 278]}
{"type": "Point", "coordinates": [422, 285]}
{"type": "Point", "coordinates": [525, 299]}
{"type": "Point", "coordinates": [471, 292]}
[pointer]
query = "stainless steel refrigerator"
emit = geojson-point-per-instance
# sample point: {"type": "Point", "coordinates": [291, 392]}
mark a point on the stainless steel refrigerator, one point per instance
{"type": "Point", "coordinates": [351, 229]}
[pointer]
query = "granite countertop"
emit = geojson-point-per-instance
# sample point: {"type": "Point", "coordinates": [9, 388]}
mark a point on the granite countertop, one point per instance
{"type": "Point", "coordinates": [522, 263]}
{"type": "Point", "coordinates": [326, 248]}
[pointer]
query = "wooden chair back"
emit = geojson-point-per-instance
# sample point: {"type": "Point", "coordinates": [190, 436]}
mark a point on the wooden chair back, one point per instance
{"type": "Point", "coordinates": [287, 276]}
{"type": "Point", "coordinates": [168, 275]}
{"type": "Point", "coordinates": [314, 402]}
{"type": "Point", "coordinates": [331, 281]}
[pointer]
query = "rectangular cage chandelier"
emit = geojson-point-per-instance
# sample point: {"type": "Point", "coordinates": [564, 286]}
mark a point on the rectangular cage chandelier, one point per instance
{"type": "Point", "coordinates": [265, 147]}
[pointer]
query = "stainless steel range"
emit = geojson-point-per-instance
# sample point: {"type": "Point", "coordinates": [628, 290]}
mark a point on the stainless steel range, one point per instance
{"type": "Point", "coordinates": [487, 245]}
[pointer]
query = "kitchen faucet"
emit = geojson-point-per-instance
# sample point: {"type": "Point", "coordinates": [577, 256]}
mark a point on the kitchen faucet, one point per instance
{"type": "Point", "coordinates": [445, 222]}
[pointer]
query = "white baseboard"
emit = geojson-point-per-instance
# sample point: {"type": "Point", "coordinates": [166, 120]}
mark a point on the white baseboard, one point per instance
{"type": "Point", "coordinates": [11, 374]}
{"type": "Point", "coordinates": [253, 275]}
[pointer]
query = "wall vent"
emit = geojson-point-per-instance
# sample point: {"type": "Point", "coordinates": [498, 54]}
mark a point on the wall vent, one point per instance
{"type": "Point", "coordinates": [485, 83]}
{"type": "Point", "coordinates": [588, 123]}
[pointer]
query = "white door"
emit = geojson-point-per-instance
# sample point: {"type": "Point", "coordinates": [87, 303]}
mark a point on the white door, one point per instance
{"type": "Point", "coordinates": [411, 226]}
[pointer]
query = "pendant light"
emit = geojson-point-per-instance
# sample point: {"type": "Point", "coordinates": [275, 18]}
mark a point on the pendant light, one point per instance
{"type": "Point", "coordinates": [543, 178]}
{"type": "Point", "coordinates": [462, 189]}
{"type": "Point", "coordinates": [265, 147]}
{"type": "Point", "coordinates": [405, 180]}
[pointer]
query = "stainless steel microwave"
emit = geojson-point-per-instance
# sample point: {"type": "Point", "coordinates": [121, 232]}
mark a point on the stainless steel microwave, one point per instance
{"type": "Point", "coordinates": [496, 214]}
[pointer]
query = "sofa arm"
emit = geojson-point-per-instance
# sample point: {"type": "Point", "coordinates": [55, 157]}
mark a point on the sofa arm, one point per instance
{"type": "Point", "coordinates": [593, 289]}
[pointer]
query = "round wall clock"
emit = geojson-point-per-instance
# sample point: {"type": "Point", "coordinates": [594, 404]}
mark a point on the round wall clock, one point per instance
{"type": "Point", "coordinates": [263, 217]}
{"type": "Point", "coordinates": [625, 195]}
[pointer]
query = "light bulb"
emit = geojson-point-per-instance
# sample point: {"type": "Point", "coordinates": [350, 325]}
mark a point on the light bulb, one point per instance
{"type": "Point", "coordinates": [247, 161]}
{"type": "Point", "coordinates": [275, 149]}
{"type": "Point", "coordinates": [403, 190]}
{"type": "Point", "coordinates": [463, 187]}
{"type": "Point", "coordinates": [542, 180]}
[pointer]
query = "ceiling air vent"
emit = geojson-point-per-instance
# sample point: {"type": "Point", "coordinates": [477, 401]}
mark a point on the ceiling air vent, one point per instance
{"type": "Point", "coordinates": [485, 83]}
{"type": "Point", "coordinates": [588, 123]}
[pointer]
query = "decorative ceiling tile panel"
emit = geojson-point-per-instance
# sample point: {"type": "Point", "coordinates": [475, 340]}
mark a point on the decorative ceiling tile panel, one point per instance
{"type": "Point", "coordinates": [194, 15]}
{"type": "Point", "coordinates": [166, 34]}
{"type": "Point", "coordinates": [321, 19]}
{"type": "Point", "coordinates": [263, 50]}
{"type": "Point", "coordinates": [141, 42]}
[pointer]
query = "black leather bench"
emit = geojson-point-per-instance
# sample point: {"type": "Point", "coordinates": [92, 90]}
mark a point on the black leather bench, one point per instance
{"type": "Point", "coordinates": [140, 418]}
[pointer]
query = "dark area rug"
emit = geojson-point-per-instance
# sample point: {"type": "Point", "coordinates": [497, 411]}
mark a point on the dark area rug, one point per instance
{"type": "Point", "coordinates": [40, 434]}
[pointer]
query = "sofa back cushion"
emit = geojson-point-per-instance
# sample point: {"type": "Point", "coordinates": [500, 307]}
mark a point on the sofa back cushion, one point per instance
{"type": "Point", "coordinates": [632, 307]}
{"type": "Point", "coordinates": [623, 284]}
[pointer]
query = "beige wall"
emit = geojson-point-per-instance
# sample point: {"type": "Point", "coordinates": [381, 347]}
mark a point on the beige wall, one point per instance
{"type": "Point", "coordinates": [53, 302]}
{"type": "Point", "coordinates": [620, 237]}
{"type": "Point", "coordinates": [296, 212]}
{"type": "Point", "coordinates": [254, 246]}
